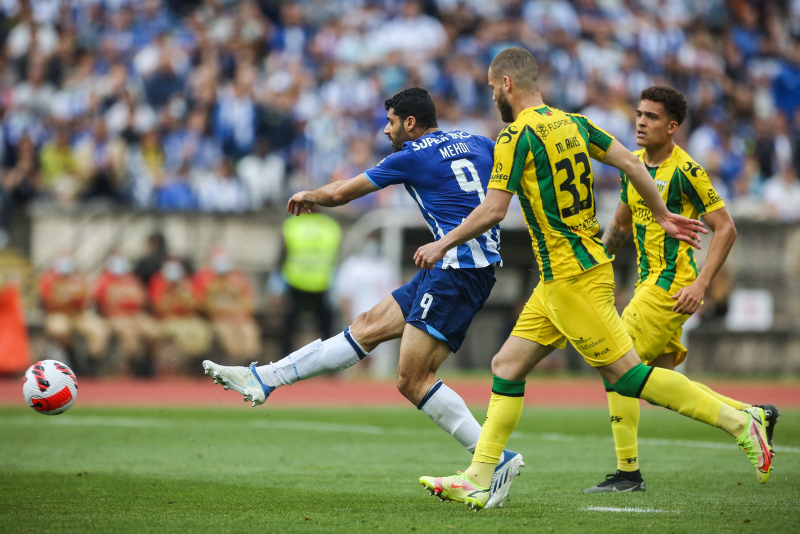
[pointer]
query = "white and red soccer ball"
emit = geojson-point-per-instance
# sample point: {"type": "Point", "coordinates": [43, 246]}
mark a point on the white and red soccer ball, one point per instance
{"type": "Point", "coordinates": [50, 387]}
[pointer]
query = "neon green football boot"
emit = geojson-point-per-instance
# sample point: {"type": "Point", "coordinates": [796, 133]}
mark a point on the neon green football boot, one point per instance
{"type": "Point", "coordinates": [754, 443]}
{"type": "Point", "coordinates": [457, 488]}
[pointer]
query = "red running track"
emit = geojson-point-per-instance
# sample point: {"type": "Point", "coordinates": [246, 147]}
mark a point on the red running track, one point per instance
{"type": "Point", "coordinates": [541, 391]}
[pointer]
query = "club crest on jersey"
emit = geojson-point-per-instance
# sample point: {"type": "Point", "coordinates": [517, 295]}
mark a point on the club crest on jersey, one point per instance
{"type": "Point", "coordinates": [661, 185]}
{"type": "Point", "coordinates": [541, 130]}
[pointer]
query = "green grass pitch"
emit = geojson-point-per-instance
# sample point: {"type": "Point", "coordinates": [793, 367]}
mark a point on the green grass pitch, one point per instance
{"type": "Point", "coordinates": [346, 470]}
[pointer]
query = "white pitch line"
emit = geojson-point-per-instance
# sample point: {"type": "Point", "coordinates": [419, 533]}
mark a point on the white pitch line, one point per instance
{"type": "Point", "coordinates": [90, 420]}
{"type": "Point", "coordinates": [344, 428]}
{"type": "Point", "coordinates": [327, 427]}
{"type": "Point", "coordinates": [627, 509]}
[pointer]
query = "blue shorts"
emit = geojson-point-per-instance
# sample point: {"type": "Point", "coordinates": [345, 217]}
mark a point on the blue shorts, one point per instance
{"type": "Point", "coordinates": [442, 302]}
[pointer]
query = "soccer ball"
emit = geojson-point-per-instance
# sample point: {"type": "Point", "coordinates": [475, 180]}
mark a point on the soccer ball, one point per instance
{"type": "Point", "coordinates": [49, 387]}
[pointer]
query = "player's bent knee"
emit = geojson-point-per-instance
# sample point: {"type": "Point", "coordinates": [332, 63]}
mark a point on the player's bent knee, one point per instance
{"type": "Point", "coordinates": [366, 331]}
{"type": "Point", "coordinates": [370, 330]}
{"type": "Point", "coordinates": [507, 367]}
{"type": "Point", "coordinates": [406, 385]}
{"type": "Point", "coordinates": [360, 324]}
{"type": "Point", "coordinates": [411, 385]}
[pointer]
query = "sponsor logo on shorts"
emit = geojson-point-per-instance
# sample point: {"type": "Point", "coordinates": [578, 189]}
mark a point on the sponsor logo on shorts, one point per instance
{"type": "Point", "coordinates": [634, 324]}
{"type": "Point", "coordinates": [596, 354]}
{"type": "Point", "coordinates": [586, 344]}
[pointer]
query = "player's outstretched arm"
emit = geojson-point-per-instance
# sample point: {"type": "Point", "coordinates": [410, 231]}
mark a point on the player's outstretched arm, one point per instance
{"type": "Point", "coordinates": [491, 211]}
{"type": "Point", "coordinates": [689, 298]}
{"type": "Point", "coordinates": [677, 226]}
{"type": "Point", "coordinates": [336, 193]}
{"type": "Point", "coordinates": [618, 229]}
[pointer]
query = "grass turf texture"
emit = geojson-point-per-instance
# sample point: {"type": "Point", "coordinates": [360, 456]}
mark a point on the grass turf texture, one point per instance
{"type": "Point", "coordinates": [344, 470]}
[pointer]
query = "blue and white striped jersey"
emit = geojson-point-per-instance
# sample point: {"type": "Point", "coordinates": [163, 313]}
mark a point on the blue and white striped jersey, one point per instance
{"type": "Point", "coordinates": [446, 173]}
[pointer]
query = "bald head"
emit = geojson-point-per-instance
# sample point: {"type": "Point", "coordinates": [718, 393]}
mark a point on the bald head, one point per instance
{"type": "Point", "coordinates": [519, 65]}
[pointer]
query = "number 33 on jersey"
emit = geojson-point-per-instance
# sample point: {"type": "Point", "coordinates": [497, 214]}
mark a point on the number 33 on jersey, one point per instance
{"type": "Point", "coordinates": [543, 157]}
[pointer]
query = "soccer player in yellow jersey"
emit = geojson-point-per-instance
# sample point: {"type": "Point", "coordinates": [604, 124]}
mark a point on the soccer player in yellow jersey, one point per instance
{"type": "Point", "coordinates": [543, 158]}
{"type": "Point", "coordinates": [669, 288]}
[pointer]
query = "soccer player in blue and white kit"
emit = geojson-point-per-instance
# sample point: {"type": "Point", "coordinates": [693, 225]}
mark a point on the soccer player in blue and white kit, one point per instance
{"type": "Point", "coordinates": [446, 173]}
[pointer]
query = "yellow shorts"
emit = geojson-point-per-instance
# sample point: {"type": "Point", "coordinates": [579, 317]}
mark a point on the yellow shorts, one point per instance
{"type": "Point", "coordinates": [653, 326]}
{"type": "Point", "coordinates": [579, 309]}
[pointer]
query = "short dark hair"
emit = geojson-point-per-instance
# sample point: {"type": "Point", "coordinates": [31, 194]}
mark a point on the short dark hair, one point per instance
{"type": "Point", "coordinates": [414, 102]}
{"type": "Point", "coordinates": [672, 100]}
{"type": "Point", "coordinates": [519, 65]}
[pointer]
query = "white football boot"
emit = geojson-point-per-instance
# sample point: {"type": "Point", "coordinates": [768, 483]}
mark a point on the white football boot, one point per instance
{"type": "Point", "coordinates": [243, 380]}
{"type": "Point", "coordinates": [503, 476]}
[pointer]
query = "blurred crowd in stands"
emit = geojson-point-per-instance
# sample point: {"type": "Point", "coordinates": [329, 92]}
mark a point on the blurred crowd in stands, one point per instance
{"type": "Point", "coordinates": [141, 308]}
{"type": "Point", "coordinates": [227, 106]}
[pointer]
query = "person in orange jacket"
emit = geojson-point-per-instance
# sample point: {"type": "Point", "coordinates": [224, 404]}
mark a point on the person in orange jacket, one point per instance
{"type": "Point", "coordinates": [121, 300]}
{"type": "Point", "coordinates": [67, 300]}
{"type": "Point", "coordinates": [15, 350]}
{"type": "Point", "coordinates": [176, 308]}
{"type": "Point", "coordinates": [227, 297]}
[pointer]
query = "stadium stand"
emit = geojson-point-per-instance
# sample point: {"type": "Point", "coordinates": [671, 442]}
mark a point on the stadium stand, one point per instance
{"type": "Point", "coordinates": [121, 117]}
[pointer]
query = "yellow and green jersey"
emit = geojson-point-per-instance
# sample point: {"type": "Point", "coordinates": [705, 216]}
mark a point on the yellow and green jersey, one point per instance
{"type": "Point", "coordinates": [543, 157]}
{"type": "Point", "coordinates": [686, 189]}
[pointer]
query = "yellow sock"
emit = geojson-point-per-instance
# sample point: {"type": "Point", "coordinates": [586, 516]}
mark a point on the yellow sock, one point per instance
{"type": "Point", "coordinates": [505, 409]}
{"type": "Point", "coordinates": [624, 425]}
{"type": "Point", "coordinates": [481, 473]}
{"type": "Point", "coordinates": [732, 421]}
{"type": "Point", "coordinates": [676, 392]}
{"type": "Point", "coordinates": [733, 403]}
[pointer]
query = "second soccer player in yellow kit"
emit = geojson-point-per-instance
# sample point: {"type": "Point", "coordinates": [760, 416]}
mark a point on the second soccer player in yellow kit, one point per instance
{"type": "Point", "coordinates": [669, 287]}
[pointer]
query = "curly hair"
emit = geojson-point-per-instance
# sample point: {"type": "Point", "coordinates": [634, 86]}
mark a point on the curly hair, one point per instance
{"type": "Point", "coordinates": [672, 100]}
{"type": "Point", "coordinates": [414, 102]}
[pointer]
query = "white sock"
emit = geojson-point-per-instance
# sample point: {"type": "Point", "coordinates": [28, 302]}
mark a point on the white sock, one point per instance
{"type": "Point", "coordinates": [316, 358]}
{"type": "Point", "coordinates": [448, 410]}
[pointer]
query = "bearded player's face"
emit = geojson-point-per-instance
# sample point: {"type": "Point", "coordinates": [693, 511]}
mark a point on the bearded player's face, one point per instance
{"type": "Point", "coordinates": [501, 99]}
{"type": "Point", "coordinates": [396, 131]}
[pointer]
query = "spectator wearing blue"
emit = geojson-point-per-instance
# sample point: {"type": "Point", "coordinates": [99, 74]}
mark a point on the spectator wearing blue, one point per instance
{"type": "Point", "coordinates": [291, 34]}
{"type": "Point", "coordinates": [165, 80]}
{"type": "Point", "coordinates": [192, 143]}
{"type": "Point", "coordinates": [747, 33]}
{"type": "Point", "coordinates": [223, 191]}
{"type": "Point", "coordinates": [176, 194]}
{"type": "Point", "coordinates": [786, 86]}
{"type": "Point", "coordinates": [236, 117]}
